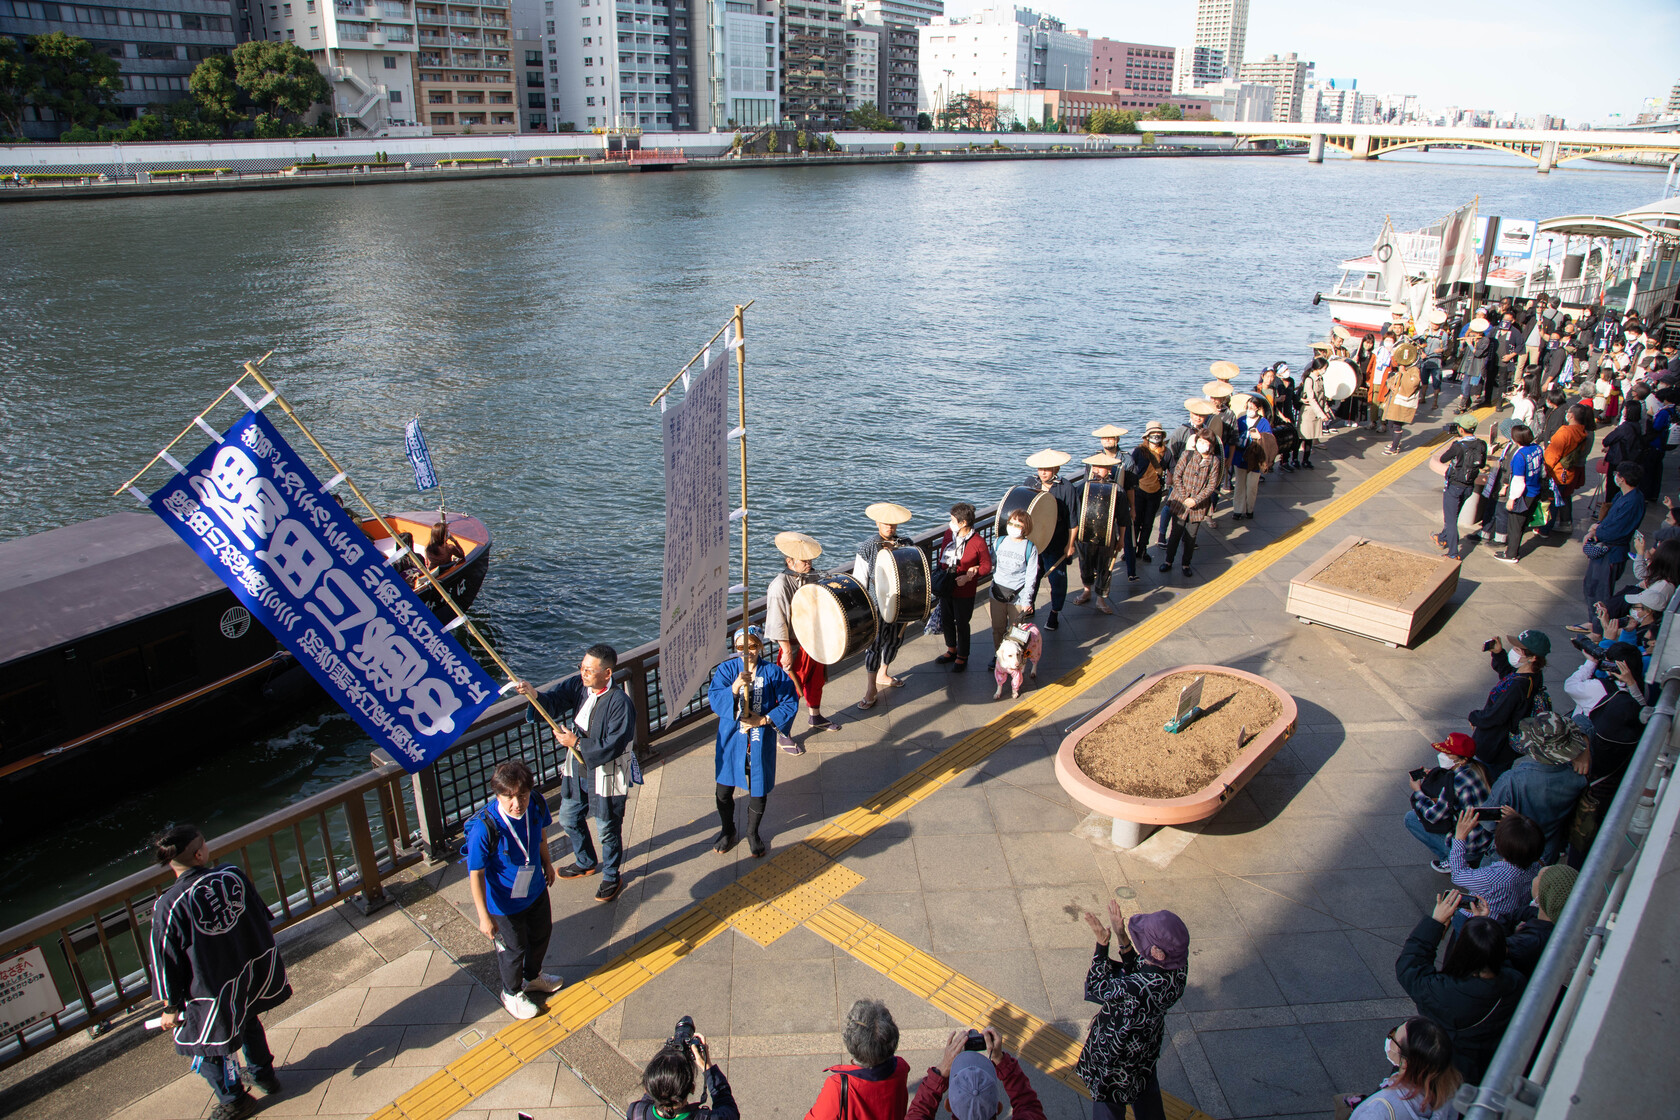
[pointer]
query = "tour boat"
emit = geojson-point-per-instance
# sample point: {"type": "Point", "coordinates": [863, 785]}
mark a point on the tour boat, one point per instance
{"type": "Point", "coordinates": [120, 642]}
{"type": "Point", "coordinates": [1359, 301]}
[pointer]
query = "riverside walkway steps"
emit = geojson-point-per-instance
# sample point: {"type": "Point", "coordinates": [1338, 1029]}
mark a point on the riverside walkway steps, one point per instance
{"type": "Point", "coordinates": [925, 855]}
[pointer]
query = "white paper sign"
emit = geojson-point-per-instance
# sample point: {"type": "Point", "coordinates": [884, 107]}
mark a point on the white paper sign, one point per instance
{"type": "Point", "coordinates": [28, 993]}
{"type": "Point", "coordinates": [694, 604]}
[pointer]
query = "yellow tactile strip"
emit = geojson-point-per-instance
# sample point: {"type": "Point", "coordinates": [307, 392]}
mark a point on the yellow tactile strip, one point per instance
{"type": "Point", "coordinates": [1035, 1041]}
{"type": "Point", "coordinates": [800, 884]}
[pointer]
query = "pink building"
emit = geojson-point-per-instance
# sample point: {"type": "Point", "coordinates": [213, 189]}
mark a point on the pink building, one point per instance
{"type": "Point", "coordinates": [1144, 68]}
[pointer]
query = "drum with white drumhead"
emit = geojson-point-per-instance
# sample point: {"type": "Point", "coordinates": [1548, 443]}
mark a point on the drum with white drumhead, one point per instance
{"type": "Point", "coordinates": [1040, 505]}
{"type": "Point", "coordinates": [834, 618]}
{"type": "Point", "coordinates": [1339, 380]}
{"type": "Point", "coordinates": [903, 585]}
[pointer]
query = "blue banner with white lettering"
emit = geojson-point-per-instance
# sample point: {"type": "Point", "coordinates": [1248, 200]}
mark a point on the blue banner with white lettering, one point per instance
{"type": "Point", "coordinates": [425, 478]}
{"type": "Point", "coordinates": [258, 516]}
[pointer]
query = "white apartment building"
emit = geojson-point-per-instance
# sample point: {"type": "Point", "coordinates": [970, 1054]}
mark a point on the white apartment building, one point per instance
{"type": "Point", "coordinates": [1287, 76]}
{"type": "Point", "coordinates": [999, 48]}
{"type": "Point", "coordinates": [916, 13]}
{"type": "Point", "coordinates": [1238, 101]}
{"type": "Point", "coordinates": [366, 50]}
{"type": "Point", "coordinates": [863, 63]}
{"type": "Point", "coordinates": [736, 63]}
{"type": "Point", "coordinates": [1199, 66]}
{"type": "Point", "coordinates": [620, 64]}
{"type": "Point", "coordinates": [1222, 25]}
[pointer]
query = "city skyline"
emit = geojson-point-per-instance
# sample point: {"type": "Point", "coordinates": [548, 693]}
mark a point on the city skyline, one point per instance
{"type": "Point", "coordinates": [1583, 70]}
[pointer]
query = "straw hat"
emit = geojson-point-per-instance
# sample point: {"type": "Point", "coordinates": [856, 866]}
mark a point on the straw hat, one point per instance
{"type": "Point", "coordinates": [1321, 346]}
{"type": "Point", "coordinates": [1397, 311]}
{"type": "Point", "coordinates": [887, 513]}
{"type": "Point", "coordinates": [798, 546]}
{"type": "Point", "coordinates": [1199, 406]}
{"type": "Point", "coordinates": [1213, 390]}
{"type": "Point", "coordinates": [1100, 459]}
{"type": "Point", "coordinates": [1224, 371]}
{"type": "Point", "coordinates": [1437, 316]}
{"type": "Point", "coordinates": [1478, 324]}
{"type": "Point", "coordinates": [1109, 431]}
{"type": "Point", "coordinates": [1340, 332]}
{"type": "Point", "coordinates": [1239, 401]}
{"type": "Point", "coordinates": [1047, 458]}
{"type": "Point", "coordinates": [1152, 427]}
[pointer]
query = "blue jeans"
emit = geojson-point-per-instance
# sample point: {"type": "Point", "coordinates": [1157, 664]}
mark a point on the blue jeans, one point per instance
{"type": "Point", "coordinates": [609, 818]}
{"type": "Point", "coordinates": [223, 1074]}
{"type": "Point", "coordinates": [1437, 845]}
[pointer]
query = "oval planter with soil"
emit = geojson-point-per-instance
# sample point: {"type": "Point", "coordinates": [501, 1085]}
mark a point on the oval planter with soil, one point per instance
{"type": "Point", "coordinates": [1122, 764]}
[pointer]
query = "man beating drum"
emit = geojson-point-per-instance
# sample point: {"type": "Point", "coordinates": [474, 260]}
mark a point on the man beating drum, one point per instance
{"type": "Point", "coordinates": [877, 659]}
{"type": "Point", "coordinates": [798, 552]}
{"type": "Point", "coordinates": [1104, 512]}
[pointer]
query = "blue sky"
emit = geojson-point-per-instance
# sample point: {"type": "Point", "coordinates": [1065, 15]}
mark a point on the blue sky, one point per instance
{"type": "Point", "coordinates": [1578, 61]}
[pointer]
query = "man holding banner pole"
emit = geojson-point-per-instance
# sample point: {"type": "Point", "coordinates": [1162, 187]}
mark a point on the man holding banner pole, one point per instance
{"type": "Point", "coordinates": [598, 729]}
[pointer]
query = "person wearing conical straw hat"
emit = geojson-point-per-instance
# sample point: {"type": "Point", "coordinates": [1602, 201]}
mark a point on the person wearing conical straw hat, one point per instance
{"type": "Point", "coordinates": [1058, 553]}
{"type": "Point", "coordinates": [878, 658]}
{"type": "Point", "coordinates": [799, 553]}
{"type": "Point", "coordinates": [1434, 347]}
{"type": "Point", "coordinates": [1096, 560]}
{"type": "Point", "coordinates": [1475, 350]}
{"type": "Point", "coordinates": [1108, 438]}
{"type": "Point", "coordinates": [1152, 463]}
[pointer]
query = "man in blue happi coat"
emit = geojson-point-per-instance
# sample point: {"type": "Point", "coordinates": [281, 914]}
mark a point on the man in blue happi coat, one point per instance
{"type": "Point", "coordinates": [750, 695]}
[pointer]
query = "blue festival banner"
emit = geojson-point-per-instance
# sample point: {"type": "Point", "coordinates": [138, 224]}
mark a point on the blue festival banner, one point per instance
{"type": "Point", "coordinates": [425, 478]}
{"type": "Point", "coordinates": [258, 516]}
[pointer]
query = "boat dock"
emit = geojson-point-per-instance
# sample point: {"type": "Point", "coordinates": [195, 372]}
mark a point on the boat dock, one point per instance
{"type": "Point", "coordinates": [925, 855]}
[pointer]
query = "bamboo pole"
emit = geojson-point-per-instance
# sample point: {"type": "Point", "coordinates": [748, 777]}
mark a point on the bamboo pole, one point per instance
{"type": "Point", "coordinates": [741, 423]}
{"type": "Point", "coordinates": [285, 405]}
{"type": "Point", "coordinates": [698, 355]}
{"type": "Point", "coordinates": [190, 426]}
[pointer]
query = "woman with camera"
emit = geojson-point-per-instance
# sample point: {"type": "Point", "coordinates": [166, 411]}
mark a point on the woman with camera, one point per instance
{"type": "Point", "coordinates": [1519, 694]}
{"type": "Point", "coordinates": [1423, 1082]}
{"type": "Point", "coordinates": [668, 1081]}
{"type": "Point", "coordinates": [1473, 993]}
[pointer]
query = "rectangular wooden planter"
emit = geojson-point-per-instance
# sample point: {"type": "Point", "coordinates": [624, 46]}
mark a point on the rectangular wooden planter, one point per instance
{"type": "Point", "coordinates": [1397, 624]}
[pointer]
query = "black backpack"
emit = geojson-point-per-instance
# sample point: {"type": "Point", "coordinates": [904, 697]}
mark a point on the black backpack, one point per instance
{"type": "Point", "coordinates": [1468, 466]}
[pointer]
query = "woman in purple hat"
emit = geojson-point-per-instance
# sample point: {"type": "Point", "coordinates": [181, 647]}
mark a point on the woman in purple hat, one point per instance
{"type": "Point", "coordinates": [1124, 1043]}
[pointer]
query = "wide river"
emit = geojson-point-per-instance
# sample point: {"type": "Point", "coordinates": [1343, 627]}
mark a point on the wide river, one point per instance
{"type": "Point", "coordinates": [918, 331]}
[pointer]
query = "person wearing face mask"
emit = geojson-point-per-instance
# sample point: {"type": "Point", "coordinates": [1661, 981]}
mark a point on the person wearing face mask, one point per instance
{"type": "Point", "coordinates": [1315, 408]}
{"type": "Point", "coordinates": [1201, 422]}
{"type": "Point", "coordinates": [1195, 487]}
{"type": "Point", "coordinates": [1456, 782]}
{"type": "Point", "coordinates": [1253, 456]}
{"type": "Point", "coordinates": [750, 696]}
{"type": "Point", "coordinates": [510, 871]}
{"type": "Point", "coordinates": [1520, 693]}
{"type": "Point", "coordinates": [1014, 577]}
{"type": "Point", "coordinates": [799, 553]}
{"type": "Point", "coordinates": [1424, 1080]}
{"type": "Point", "coordinates": [963, 560]}
{"type": "Point", "coordinates": [1152, 463]}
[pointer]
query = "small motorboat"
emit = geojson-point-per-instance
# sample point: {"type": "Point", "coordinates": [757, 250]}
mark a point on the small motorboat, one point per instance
{"type": "Point", "coordinates": [461, 579]}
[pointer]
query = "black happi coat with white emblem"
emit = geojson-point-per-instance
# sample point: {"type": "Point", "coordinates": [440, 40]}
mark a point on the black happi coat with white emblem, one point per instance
{"type": "Point", "coordinates": [213, 958]}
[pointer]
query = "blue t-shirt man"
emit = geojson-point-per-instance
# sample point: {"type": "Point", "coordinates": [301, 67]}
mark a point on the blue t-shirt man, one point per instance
{"type": "Point", "coordinates": [503, 847]}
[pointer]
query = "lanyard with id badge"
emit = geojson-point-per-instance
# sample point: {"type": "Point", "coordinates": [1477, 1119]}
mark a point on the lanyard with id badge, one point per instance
{"type": "Point", "coordinates": [528, 867]}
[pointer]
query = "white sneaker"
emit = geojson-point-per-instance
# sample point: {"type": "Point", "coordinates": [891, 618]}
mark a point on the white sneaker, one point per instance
{"type": "Point", "coordinates": [544, 982]}
{"type": "Point", "coordinates": [519, 1005]}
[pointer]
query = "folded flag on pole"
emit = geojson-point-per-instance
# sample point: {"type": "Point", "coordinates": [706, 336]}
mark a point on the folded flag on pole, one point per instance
{"type": "Point", "coordinates": [425, 478]}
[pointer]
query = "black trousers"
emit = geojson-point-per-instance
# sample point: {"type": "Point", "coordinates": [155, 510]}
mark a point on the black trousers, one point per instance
{"type": "Point", "coordinates": [222, 1074]}
{"type": "Point", "coordinates": [1147, 1106]}
{"type": "Point", "coordinates": [1182, 532]}
{"type": "Point", "coordinates": [1147, 506]}
{"type": "Point", "coordinates": [957, 613]}
{"type": "Point", "coordinates": [522, 939]}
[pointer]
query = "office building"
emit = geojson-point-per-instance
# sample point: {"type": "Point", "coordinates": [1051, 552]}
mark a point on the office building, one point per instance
{"type": "Point", "coordinates": [813, 41]}
{"type": "Point", "coordinates": [737, 64]}
{"type": "Point", "coordinates": [1198, 67]}
{"type": "Point", "coordinates": [366, 49]}
{"type": "Point", "coordinates": [622, 65]}
{"type": "Point", "coordinates": [1143, 67]}
{"type": "Point", "coordinates": [156, 46]}
{"type": "Point", "coordinates": [1074, 107]}
{"type": "Point", "coordinates": [1673, 108]}
{"type": "Point", "coordinates": [863, 65]}
{"type": "Point", "coordinates": [529, 83]}
{"type": "Point", "coordinates": [1288, 78]}
{"type": "Point", "coordinates": [1222, 25]}
{"type": "Point", "coordinates": [1238, 101]}
{"type": "Point", "coordinates": [999, 48]}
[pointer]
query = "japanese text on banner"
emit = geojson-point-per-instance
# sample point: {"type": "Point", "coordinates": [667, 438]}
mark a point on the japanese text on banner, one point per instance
{"type": "Point", "coordinates": [694, 605]}
{"type": "Point", "coordinates": [257, 515]}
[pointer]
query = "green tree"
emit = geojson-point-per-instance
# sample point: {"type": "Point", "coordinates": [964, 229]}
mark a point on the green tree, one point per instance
{"type": "Point", "coordinates": [869, 118]}
{"type": "Point", "coordinates": [924, 123]}
{"type": "Point", "coordinates": [801, 141]}
{"type": "Point", "coordinates": [18, 78]}
{"type": "Point", "coordinates": [280, 78]}
{"type": "Point", "coordinates": [74, 80]}
{"type": "Point", "coordinates": [1166, 111]}
{"type": "Point", "coordinates": [1125, 122]}
{"type": "Point", "coordinates": [1101, 122]}
{"type": "Point", "coordinates": [216, 90]}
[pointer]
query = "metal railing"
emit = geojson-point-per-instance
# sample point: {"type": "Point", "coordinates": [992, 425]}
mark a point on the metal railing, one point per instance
{"type": "Point", "coordinates": [1512, 1085]}
{"type": "Point", "coordinates": [305, 858]}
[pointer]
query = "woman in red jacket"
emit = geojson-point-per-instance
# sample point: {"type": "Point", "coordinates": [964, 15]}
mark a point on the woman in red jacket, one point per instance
{"type": "Point", "coordinates": [877, 1087]}
{"type": "Point", "coordinates": [960, 563]}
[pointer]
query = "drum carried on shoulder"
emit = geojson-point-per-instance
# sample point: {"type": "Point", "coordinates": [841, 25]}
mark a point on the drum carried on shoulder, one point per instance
{"type": "Point", "coordinates": [834, 617]}
{"type": "Point", "coordinates": [903, 585]}
{"type": "Point", "coordinates": [1039, 505]}
{"type": "Point", "coordinates": [1098, 521]}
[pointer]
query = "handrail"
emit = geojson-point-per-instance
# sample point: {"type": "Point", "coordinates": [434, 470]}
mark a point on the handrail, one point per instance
{"type": "Point", "coordinates": [1579, 935]}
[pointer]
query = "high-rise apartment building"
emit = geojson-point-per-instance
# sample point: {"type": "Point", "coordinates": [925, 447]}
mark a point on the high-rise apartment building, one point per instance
{"type": "Point", "coordinates": [900, 54]}
{"type": "Point", "coordinates": [530, 85]}
{"type": "Point", "coordinates": [1673, 108]}
{"type": "Point", "coordinates": [914, 13]}
{"type": "Point", "coordinates": [1143, 67]}
{"type": "Point", "coordinates": [1288, 78]}
{"type": "Point", "coordinates": [622, 64]}
{"type": "Point", "coordinates": [1222, 25]}
{"type": "Point", "coordinates": [1006, 47]}
{"type": "Point", "coordinates": [366, 48]}
{"type": "Point", "coordinates": [737, 62]}
{"type": "Point", "coordinates": [157, 44]}
{"type": "Point", "coordinates": [814, 64]}
{"type": "Point", "coordinates": [464, 68]}
{"type": "Point", "coordinates": [1199, 66]}
{"type": "Point", "coordinates": [863, 65]}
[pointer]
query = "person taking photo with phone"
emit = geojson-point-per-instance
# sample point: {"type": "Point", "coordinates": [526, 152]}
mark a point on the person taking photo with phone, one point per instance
{"type": "Point", "coordinates": [973, 1076]}
{"type": "Point", "coordinates": [1439, 793]}
{"type": "Point", "coordinates": [1124, 1043]}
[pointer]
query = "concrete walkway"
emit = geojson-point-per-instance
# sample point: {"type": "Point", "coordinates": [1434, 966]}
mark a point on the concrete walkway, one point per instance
{"type": "Point", "coordinates": [925, 855]}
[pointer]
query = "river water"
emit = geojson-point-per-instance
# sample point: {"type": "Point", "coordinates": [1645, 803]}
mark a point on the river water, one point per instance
{"type": "Point", "coordinates": [918, 331]}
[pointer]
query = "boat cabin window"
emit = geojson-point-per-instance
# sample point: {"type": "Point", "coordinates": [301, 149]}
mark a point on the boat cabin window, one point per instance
{"type": "Point", "coordinates": [170, 660]}
{"type": "Point", "coordinates": [119, 678]}
{"type": "Point", "coordinates": [1357, 282]}
{"type": "Point", "coordinates": [28, 713]}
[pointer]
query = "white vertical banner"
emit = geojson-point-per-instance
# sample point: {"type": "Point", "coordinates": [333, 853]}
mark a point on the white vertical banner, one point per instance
{"type": "Point", "coordinates": [694, 604]}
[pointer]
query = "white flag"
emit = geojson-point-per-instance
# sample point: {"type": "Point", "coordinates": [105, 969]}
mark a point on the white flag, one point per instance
{"type": "Point", "coordinates": [1458, 247]}
{"type": "Point", "coordinates": [1390, 264]}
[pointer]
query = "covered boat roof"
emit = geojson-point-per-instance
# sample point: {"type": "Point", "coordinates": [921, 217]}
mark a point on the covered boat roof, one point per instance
{"type": "Point", "coordinates": [1594, 225]}
{"type": "Point", "coordinates": [64, 584]}
{"type": "Point", "coordinates": [1664, 213]}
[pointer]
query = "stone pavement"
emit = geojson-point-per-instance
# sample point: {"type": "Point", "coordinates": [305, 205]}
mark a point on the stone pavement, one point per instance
{"type": "Point", "coordinates": [925, 855]}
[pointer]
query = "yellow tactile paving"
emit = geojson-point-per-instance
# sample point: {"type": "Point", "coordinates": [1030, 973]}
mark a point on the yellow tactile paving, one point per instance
{"type": "Point", "coordinates": [800, 884]}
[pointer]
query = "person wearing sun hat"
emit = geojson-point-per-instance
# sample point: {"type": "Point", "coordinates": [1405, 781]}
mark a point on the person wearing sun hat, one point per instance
{"type": "Point", "coordinates": [1096, 560]}
{"type": "Point", "coordinates": [1543, 785]}
{"type": "Point", "coordinates": [1058, 551]}
{"type": "Point", "coordinates": [1475, 349]}
{"type": "Point", "coordinates": [1520, 693]}
{"type": "Point", "coordinates": [1123, 1046]}
{"type": "Point", "coordinates": [798, 555]}
{"type": "Point", "coordinates": [1460, 462]}
{"type": "Point", "coordinates": [878, 658]}
{"type": "Point", "coordinates": [1456, 782]}
{"type": "Point", "coordinates": [1108, 438]}
{"type": "Point", "coordinates": [1152, 462]}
